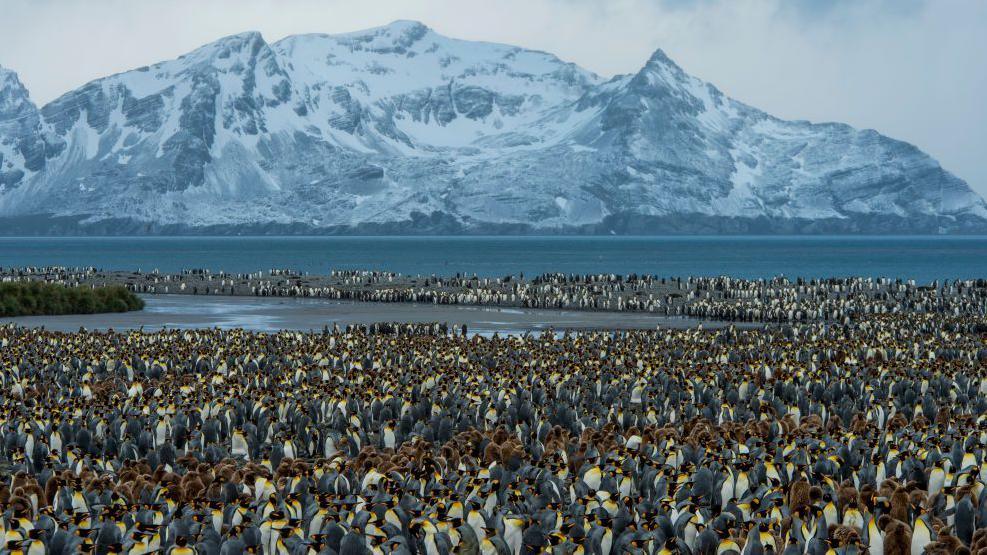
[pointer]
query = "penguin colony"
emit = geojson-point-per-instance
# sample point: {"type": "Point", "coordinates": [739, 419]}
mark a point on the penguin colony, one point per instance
{"type": "Point", "coordinates": [777, 300]}
{"type": "Point", "coordinates": [818, 438]}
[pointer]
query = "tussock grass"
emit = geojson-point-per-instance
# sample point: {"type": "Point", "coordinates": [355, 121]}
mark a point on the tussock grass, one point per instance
{"type": "Point", "coordinates": [46, 299]}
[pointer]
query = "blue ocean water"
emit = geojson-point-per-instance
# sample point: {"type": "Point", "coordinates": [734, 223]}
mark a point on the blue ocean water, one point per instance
{"type": "Point", "coordinates": [922, 258]}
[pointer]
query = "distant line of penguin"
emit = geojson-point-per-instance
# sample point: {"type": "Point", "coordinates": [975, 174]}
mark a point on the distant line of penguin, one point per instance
{"type": "Point", "coordinates": [778, 300]}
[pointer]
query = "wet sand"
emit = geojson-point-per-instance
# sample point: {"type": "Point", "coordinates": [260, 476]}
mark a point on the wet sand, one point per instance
{"type": "Point", "coordinates": [276, 313]}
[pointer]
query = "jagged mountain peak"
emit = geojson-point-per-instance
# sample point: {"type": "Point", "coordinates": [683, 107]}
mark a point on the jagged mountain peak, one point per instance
{"type": "Point", "coordinates": [14, 96]}
{"type": "Point", "coordinates": [22, 150]}
{"type": "Point", "coordinates": [237, 41]}
{"type": "Point", "coordinates": [406, 24]}
{"type": "Point", "coordinates": [6, 74]}
{"type": "Point", "coordinates": [224, 51]}
{"type": "Point", "coordinates": [399, 34]}
{"type": "Point", "coordinates": [418, 48]}
{"type": "Point", "coordinates": [243, 38]}
{"type": "Point", "coordinates": [401, 129]}
{"type": "Point", "coordinates": [405, 86]}
{"type": "Point", "coordinates": [661, 72]}
{"type": "Point", "coordinates": [659, 57]}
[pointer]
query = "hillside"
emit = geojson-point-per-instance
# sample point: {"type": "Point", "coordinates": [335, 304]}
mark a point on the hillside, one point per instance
{"type": "Point", "coordinates": [401, 130]}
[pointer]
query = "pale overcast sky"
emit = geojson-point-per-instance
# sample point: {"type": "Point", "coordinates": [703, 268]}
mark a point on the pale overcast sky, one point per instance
{"type": "Point", "coordinates": [912, 69]}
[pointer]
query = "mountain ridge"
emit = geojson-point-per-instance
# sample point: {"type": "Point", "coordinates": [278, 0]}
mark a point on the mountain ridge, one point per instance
{"type": "Point", "coordinates": [398, 129]}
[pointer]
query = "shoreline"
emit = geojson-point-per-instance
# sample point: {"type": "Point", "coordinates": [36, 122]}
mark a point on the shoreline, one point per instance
{"type": "Point", "coordinates": [632, 301]}
{"type": "Point", "coordinates": [184, 311]}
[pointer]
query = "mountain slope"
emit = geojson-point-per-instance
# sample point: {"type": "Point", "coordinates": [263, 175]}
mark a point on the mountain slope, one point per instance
{"type": "Point", "coordinates": [21, 148]}
{"type": "Point", "coordinates": [401, 130]}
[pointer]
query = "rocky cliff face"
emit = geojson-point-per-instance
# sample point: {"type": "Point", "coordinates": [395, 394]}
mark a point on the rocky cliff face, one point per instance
{"type": "Point", "coordinates": [401, 130]}
{"type": "Point", "coordinates": [22, 151]}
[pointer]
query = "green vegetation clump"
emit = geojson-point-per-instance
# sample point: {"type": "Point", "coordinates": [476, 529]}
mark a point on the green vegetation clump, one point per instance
{"type": "Point", "coordinates": [46, 299]}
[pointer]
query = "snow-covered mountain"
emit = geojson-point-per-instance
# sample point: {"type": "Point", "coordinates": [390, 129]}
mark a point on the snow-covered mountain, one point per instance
{"type": "Point", "coordinates": [401, 130]}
